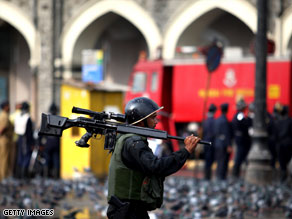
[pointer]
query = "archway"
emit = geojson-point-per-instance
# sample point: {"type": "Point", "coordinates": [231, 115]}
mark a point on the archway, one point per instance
{"type": "Point", "coordinates": [120, 41]}
{"type": "Point", "coordinates": [129, 10]}
{"type": "Point", "coordinates": [14, 16]}
{"type": "Point", "coordinates": [182, 21]}
{"type": "Point", "coordinates": [287, 32]}
{"type": "Point", "coordinates": [22, 51]}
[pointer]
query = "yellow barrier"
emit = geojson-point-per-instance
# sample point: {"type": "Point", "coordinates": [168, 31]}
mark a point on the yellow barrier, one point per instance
{"type": "Point", "coordinates": [75, 159]}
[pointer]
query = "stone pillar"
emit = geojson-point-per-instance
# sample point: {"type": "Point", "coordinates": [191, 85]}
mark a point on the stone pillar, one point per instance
{"type": "Point", "coordinates": [45, 70]}
{"type": "Point", "coordinates": [259, 170]}
{"type": "Point", "coordinates": [56, 50]}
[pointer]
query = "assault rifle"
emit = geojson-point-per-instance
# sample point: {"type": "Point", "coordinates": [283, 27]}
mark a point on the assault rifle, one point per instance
{"type": "Point", "coordinates": [103, 123]}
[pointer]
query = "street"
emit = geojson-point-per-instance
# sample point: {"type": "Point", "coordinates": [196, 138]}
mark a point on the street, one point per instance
{"type": "Point", "coordinates": [185, 196]}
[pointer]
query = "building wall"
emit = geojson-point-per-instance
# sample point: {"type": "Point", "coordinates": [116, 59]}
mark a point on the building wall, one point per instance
{"type": "Point", "coordinates": [163, 13]}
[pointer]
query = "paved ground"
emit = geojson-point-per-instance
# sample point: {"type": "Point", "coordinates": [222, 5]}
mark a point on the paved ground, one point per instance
{"type": "Point", "coordinates": [184, 190]}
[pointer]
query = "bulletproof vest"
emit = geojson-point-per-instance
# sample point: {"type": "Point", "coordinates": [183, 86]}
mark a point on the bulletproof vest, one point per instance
{"type": "Point", "coordinates": [130, 184]}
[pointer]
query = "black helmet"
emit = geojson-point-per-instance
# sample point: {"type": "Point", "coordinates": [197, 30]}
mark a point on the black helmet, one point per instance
{"type": "Point", "coordinates": [212, 108]}
{"type": "Point", "coordinates": [241, 105]}
{"type": "Point", "coordinates": [285, 110]}
{"type": "Point", "coordinates": [4, 104]}
{"type": "Point", "coordinates": [139, 109]}
{"type": "Point", "coordinates": [53, 109]}
{"type": "Point", "coordinates": [25, 106]}
{"type": "Point", "coordinates": [224, 107]}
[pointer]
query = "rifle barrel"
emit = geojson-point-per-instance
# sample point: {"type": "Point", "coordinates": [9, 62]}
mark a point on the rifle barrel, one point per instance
{"type": "Point", "coordinates": [182, 139]}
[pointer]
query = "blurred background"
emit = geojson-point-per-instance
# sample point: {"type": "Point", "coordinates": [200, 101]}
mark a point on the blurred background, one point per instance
{"type": "Point", "coordinates": [98, 54]}
{"type": "Point", "coordinates": [45, 43]}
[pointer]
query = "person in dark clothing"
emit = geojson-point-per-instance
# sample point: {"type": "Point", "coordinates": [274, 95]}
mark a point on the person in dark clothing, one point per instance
{"type": "Point", "coordinates": [136, 175]}
{"type": "Point", "coordinates": [272, 139]}
{"type": "Point", "coordinates": [51, 150]}
{"type": "Point", "coordinates": [222, 145]}
{"type": "Point", "coordinates": [23, 127]}
{"type": "Point", "coordinates": [270, 121]}
{"type": "Point", "coordinates": [283, 129]}
{"type": "Point", "coordinates": [277, 109]}
{"type": "Point", "coordinates": [208, 135]}
{"type": "Point", "coordinates": [240, 126]}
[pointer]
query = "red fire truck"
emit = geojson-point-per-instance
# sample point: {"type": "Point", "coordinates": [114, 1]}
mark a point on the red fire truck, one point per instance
{"type": "Point", "coordinates": [186, 89]}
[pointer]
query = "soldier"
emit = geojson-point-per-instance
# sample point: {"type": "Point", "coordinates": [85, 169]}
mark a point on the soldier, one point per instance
{"type": "Point", "coordinates": [208, 135]}
{"type": "Point", "coordinates": [223, 140]}
{"type": "Point", "coordinates": [23, 127]}
{"type": "Point", "coordinates": [136, 175]}
{"type": "Point", "coordinates": [283, 129]}
{"type": "Point", "coordinates": [51, 150]}
{"type": "Point", "coordinates": [270, 129]}
{"type": "Point", "coordinates": [240, 126]}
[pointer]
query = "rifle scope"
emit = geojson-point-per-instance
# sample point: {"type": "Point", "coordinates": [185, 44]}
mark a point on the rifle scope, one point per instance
{"type": "Point", "coordinates": [100, 116]}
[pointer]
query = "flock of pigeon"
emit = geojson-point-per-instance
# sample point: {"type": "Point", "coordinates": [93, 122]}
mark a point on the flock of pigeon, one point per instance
{"type": "Point", "coordinates": [184, 197]}
{"type": "Point", "coordinates": [189, 198]}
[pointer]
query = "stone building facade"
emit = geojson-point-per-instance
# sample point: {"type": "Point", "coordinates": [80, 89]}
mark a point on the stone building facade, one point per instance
{"type": "Point", "coordinates": [48, 37]}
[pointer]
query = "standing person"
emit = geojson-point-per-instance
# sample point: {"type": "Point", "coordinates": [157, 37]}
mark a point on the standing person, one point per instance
{"type": "Point", "coordinates": [16, 112]}
{"type": "Point", "coordinates": [270, 129]}
{"type": "Point", "coordinates": [277, 109]}
{"type": "Point", "coordinates": [13, 158]}
{"type": "Point", "coordinates": [6, 141]}
{"type": "Point", "coordinates": [24, 129]}
{"type": "Point", "coordinates": [209, 135]}
{"type": "Point", "coordinates": [272, 138]}
{"type": "Point", "coordinates": [51, 150]}
{"type": "Point", "coordinates": [136, 175]}
{"type": "Point", "coordinates": [283, 128]}
{"type": "Point", "coordinates": [240, 126]}
{"type": "Point", "coordinates": [223, 141]}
